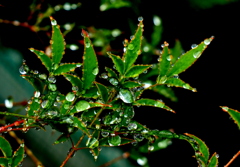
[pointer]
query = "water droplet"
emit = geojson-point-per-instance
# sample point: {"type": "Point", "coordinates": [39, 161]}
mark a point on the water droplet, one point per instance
{"type": "Point", "coordinates": [225, 108]}
{"type": "Point", "coordinates": [73, 47]}
{"type": "Point", "coordinates": [116, 32]}
{"type": "Point", "coordinates": [53, 22]}
{"type": "Point", "coordinates": [142, 161]}
{"type": "Point", "coordinates": [138, 137]}
{"type": "Point", "coordinates": [23, 69]}
{"type": "Point", "coordinates": [95, 71]}
{"type": "Point", "coordinates": [82, 105]}
{"type": "Point", "coordinates": [35, 72]}
{"type": "Point", "coordinates": [150, 148]}
{"type": "Point", "coordinates": [87, 44]}
{"type": "Point", "coordinates": [207, 41]}
{"type": "Point", "coordinates": [197, 54]}
{"type": "Point", "coordinates": [8, 102]}
{"type": "Point", "coordinates": [114, 141]}
{"type": "Point", "coordinates": [130, 46]}
{"type": "Point", "coordinates": [52, 87]}
{"type": "Point", "coordinates": [144, 131]}
{"type": "Point", "coordinates": [27, 108]}
{"type": "Point", "coordinates": [52, 113]}
{"type": "Point", "coordinates": [131, 37]}
{"type": "Point", "coordinates": [52, 79]}
{"type": "Point", "coordinates": [129, 112]}
{"type": "Point", "coordinates": [42, 76]}
{"type": "Point", "coordinates": [163, 79]}
{"type": "Point", "coordinates": [45, 103]}
{"type": "Point", "coordinates": [113, 81]}
{"type": "Point", "coordinates": [104, 75]}
{"type": "Point", "coordinates": [22, 144]}
{"type": "Point", "coordinates": [176, 76]}
{"type": "Point", "coordinates": [75, 88]}
{"type": "Point", "coordinates": [186, 86]}
{"type": "Point", "coordinates": [217, 155]}
{"type": "Point", "coordinates": [146, 48]}
{"type": "Point", "coordinates": [105, 134]}
{"type": "Point", "coordinates": [156, 20]}
{"type": "Point", "coordinates": [193, 46]}
{"type": "Point", "coordinates": [126, 96]}
{"type": "Point", "coordinates": [70, 96]}
{"type": "Point", "coordinates": [145, 72]}
{"type": "Point", "coordinates": [140, 18]}
{"type": "Point", "coordinates": [169, 58]}
{"type": "Point", "coordinates": [67, 6]}
{"type": "Point", "coordinates": [132, 126]}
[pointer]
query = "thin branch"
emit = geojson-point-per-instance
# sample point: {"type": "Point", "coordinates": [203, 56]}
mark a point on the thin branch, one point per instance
{"type": "Point", "coordinates": [27, 150]}
{"type": "Point", "coordinates": [123, 156]}
{"type": "Point", "coordinates": [233, 158]}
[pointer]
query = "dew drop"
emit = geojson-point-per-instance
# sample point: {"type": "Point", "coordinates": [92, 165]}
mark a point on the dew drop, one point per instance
{"type": "Point", "coordinates": [52, 79]}
{"type": "Point", "coordinates": [116, 32]}
{"type": "Point", "coordinates": [142, 161]}
{"type": "Point", "coordinates": [132, 126]}
{"type": "Point", "coordinates": [113, 81]}
{"type": "Point", "coordinates": [140, 18]}
{"type": "Point", "coordinates": [193, 46]}
{"type": "Point", "coordinates": [104, 75]}
{"type": "Point", "coordinates": [207, 41]}
{"type": "Point", "coordinates": [225, 108]}
{"type": "Point", "coordinates": [163, 79]}
{"type": "Point", "coordinates": [70, 96]}
{"type": "Point", "coordinates": [23, 69]}
{"type": "Point", "coordinates": [150, 148]}
{"type": "Point", "coordinates": [131, 37]}
{"type": "Point", "coordinates": [114, 141]}
{"type": "Point", "coordinates": [53, 22]}
{"type": "Point", "coordinates": [42, 76]}
{"type": "Point", "coordinates": [105, 134]}
{"type": "Point", "coordinates": [75, 88]}
{"type": "Point", "coordinates": [44, 104]}
{"type": "Point", "coordinates": [82, 105]}
{"type": "Point", "coordinates": [67, 6]}
{"type": "Point", "coordinates": [217, 155]}
{"type": "Point", "coordinates": [156, 20]}
{"type": "Point", "coordinates": [130, 46]}
{"type": "Point", "coordinates": [73, 47]}
{"type": "Point", "coordinates": [126, 95]}
{"type": "Point", "coordinates": [22, 145]}
{"type": "Point", "coordinates": [95, 71]}
{"type": "Point", "coordinates": [52, 87]}
{"type": "Point", "coordinates": [197, 54]}
{"type": "Point", "coordinates": [87, 44]}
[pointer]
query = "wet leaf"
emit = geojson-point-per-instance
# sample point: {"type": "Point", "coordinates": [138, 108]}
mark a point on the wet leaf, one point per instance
{"type": "Point", "coordinates": [126, 95]}
{"type": "Point", "coordinates": [92, 142]}
{"type": "Point", "coordinates": [78, 123]}
{"type": "Point", "coordinates": [235, 115]}
{"type": "Point", "coordinates": [65, 68]}
{"type": "Point", "coordinates": [75, 80]}
{"type": "Point", "coordinates": [136, 70]}
{"type": "Point", "coordinates": [57, 42]}
{"type": "Point", "coordinates": [131, 84]}
{"type": "Point", "coordinates": [18, 156]}
{"type": "Point", "coordinates": [4, 162]}
{"type": "Point", "coordinates": [153, 103]}
{"type": "Point", "coordinates": [117, 62]}
{"type": "Point", "coordinates": [82, 105]}
{"type": "Point", "coordinates": [187, 59]}
{"type": "Point", "coordinates": [95, 152]}
{"type": "Point", "coordinates": [164, 64]}
{"type": "Point", "coordinates": [90, 63]}
{"type": "Point", "coordinates": [133, 49]}
{"type": "Point", "coordinates": [165, 91]}
{"type": "Point", "coordinates": [114, 140]}
{"type": "Point", "coordinates": [35, 82]}
{"type": "Point", "coordinates": [176, 51]}
{"type": "Point", "coordinates": [158, 145]}
{"type": "Point", "coordinates": [46, 61]}
{"type": "Point", "coordinates": [202, 147]}
{"type": "Point", "coordinates": [103, 91]}
{"type": "Point", "coordinates": [5, 148]}
{"type": "Point", "coordinates": [213, 162]}
{"type": "Point", "coordinates": [33, 107]}
{"type": "Point", "coordinates": [179, 83]}
{"type": "Point", "coordinates": [62, 138]}
{"type": "Point", "coordinates": [111, 73]}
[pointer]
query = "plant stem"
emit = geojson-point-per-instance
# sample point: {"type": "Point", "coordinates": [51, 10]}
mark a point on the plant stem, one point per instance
{"type": "Point", "coordinates": [233, 158]}
{"type": "Point", "coordinates": [16, 115]}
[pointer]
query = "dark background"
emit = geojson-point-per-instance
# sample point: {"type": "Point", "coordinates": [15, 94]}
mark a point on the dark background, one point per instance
{"type": "Point", "coordinates": [215, 74]}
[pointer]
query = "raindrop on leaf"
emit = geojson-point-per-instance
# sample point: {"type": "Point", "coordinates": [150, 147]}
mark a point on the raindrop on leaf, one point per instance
{"type": "Point", "coordinates": [70, 96]}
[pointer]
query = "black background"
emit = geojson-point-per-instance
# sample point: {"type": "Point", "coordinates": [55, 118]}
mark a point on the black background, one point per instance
{"type": "Point", "coordinates": [215, 74]}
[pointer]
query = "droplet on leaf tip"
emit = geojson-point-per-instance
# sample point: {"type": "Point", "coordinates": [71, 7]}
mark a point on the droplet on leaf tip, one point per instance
{"type": "Point", "coordinates": [225, 108]}
{"type": "Point", "coordinates": [140, 18]}
{"type": "Point", "coordinates": [193, 46]}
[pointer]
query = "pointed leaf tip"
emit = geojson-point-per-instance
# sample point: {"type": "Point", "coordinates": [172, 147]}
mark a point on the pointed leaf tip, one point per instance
{"type": "Point", "coordinates": [85, 33]}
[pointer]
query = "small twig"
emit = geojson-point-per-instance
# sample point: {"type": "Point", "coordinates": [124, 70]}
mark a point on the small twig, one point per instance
{"type": "Point", "coordinates": [123, 156]}
{"type": "Point", "coordinates": [21, 103]}
{"type": "Point", "coordinates": [233, 158]}
{"type": "Point", "coordinates": [16, 115]}
{"type": "Point", "coordinates": [28, 151]}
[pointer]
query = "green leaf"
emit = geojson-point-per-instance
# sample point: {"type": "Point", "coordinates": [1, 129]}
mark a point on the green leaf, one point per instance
{"type": "Point", "coordinates": [80, 125]}
{"type": "Point", "coordinates": [164, 64]}
{"type": "Point", "coordinates": [33, 107]}
{"type": "Point", "coordinates": [35, 82]}
{"type": "Point", "coordinates": [75, 81]}
{"type": "Point", "coordinates": [62, 138]}
{"type": "Point", "coordinates": [202, 147]}
{"type": "Point", "coordinates": [114, 141]}
{"type": "Point", "coordinates": [213, 162]}
{"type": "Point", "coordinates": [233, 113]}
{"type": "Point", "coordinates": [90, 64]}
{"type": "Point", "coordinates": [165, 91]}
{"type": "Point", "coordinates": [133, 49]}
{"type": "Point", "coordinates": [126, 96]}
{"type": "Point", "coordinates": [158, 145]}
{"type": "Point", "coordinates": [46, 61]}
{"type": "Point", "coordinates": [106, 4]}
{"type": "Point", "coordinates": [18, 156]}
{"type": "Point", "coordinates": [95, 152]}
{"type": "Point", "coordinates": [65, 68]}
{"type": "Point", "coordinates": [111, 73]}
{"type": "Point", "coordinates": [136, 70]}
{"type": "Point", "coordinates": [153, 103]}
{"type": "Point", "coordinates": [157, 31]}
{"type": "Point", "coordinates": [57, 42]}
{"type": "Point", "coordinates": [5, 148]}
{"type": "Point", "coordinates": [103, 91]}
{"type": "Point", "coordinates": [3, 162]}
{"type": "Point", "coordinates": [179, 83]}
{"type": "Point", "coordinates": [91, 93]}
{"type": "Point", "coordinates": [126, 141]}
{"type": "Point", "coordinates": [176, 51]}
{"type": "Point", "coordinates": [187, 59]}
{"type": "Point", "coordinates": [131, 84]}
{"type": "Point", "coordinates": [65, 107]}
{"type": "Point", "coordinates": [82, 105]}
{"type": "Point", "coordinates": [117, 62]}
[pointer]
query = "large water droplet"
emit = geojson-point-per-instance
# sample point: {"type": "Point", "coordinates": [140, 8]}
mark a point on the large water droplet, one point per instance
{"type": "Point", "coordinates": [156, 20]}
{"type": "Point", "coordinates": [132, 126]}
{"type": "Point", "coordinates": [70, 96]}
{"type": "Point", "coordinates": [142, 161]}
{"type": "Point", "coordinates": [104, 75]}
{"type": "Point", "coordinates": [197, 54]}
{"type": "Point", "coordinates": [193, 46]}
{"type": "Point", "coordinates": [37, 94]}
{"type": "Point", "coordinates": [53, 22]}
{"type": "Point", "coordinates": [52, 87]}
{"type": "Point", "coordinates": [95, 71]}
{"type": "Point", "coordinates": [113, 81]}
{"type": "Point", "coordinates": [42, 76]}
{"type": "Point", "coordinates": [116, 32]}
{"type": "Point", "coordinates": [45, 103]}
{"type": "Point", "coordinates": [87, 44]}
{"type": "Point", "coordinates": [140, 18]}
{"type": "Point", "coordinates": [105, 134]}
{"type": "Point", "coordinates": [138, 137]}
{"type": "Point", "coordinates": [23, 69]}
{"type": "Point", "coordinates": [130, 46]}
{"type": "Point", "coordinates": [163, 79]}
{"type": "Point", "coordinates": [126, 96]}
{"type": "Point", "coordinates": [114, 141]}
{"type": "Point", "coordinates": [52, 79]}
{"type": "Point", "coordinates": [75, 88]}
{"type": "Point", "coordinates": [129, 112]}
{"type": "Point", "coordinates": [207, 41]}
{"type": "Point", "coordinates": [8, 102]}
{"type": "Point", "coordinates": [150, 148]}
{"type": "Point", "coordinates": [82, 105]}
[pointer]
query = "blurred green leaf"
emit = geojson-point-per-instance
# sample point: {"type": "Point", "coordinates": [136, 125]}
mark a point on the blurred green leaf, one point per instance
{"type": "Point", "coordinates": [5, 148]}
{"type": "Point", "coordinates": [18, 156]}
{"type": "Point", "coordinates": [4, 162]}
{"type": "Point", "coordinates": [158, 145]}
{"type": "Point", "coordinates": [176, 51]}
{"type": "Point", "coordinates": [62, 138]}
{"type": "Point", "coordinates": [111, 73]}
{"type": "Point", "coordinates": [57, 42]}
{"type": "Point", "coordinates": [108, 4]}
{"type": "Point", "coordinates": [90, 63]}
{"type": "Point", "coordinates": [157, 31]}
{"type": "Point", "coordinates": [165, 91]}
